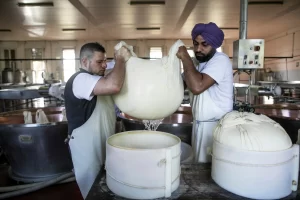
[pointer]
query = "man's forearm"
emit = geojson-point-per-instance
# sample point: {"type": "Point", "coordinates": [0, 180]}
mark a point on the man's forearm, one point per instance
{"type": "Point", "coordinates": [192, 76]}
{"type": "Point", "coordinates": [117, 76]}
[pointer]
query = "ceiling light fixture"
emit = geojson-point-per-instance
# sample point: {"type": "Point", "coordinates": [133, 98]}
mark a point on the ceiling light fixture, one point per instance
{"type": "Point", "coordinates": [40, 4]}
{"type": "Point", "coordinates": [147, 28]}
{"type": "Point", "coordinates": [265, 2]}
{"type": "Point", "coordinates": [147, 2]}
{"type": "Point", "coordinates": [229, 28]}
{"type": "Point", "coordinates": [5, 30]}
{"type": "Point", "coordinates": [73, 29]}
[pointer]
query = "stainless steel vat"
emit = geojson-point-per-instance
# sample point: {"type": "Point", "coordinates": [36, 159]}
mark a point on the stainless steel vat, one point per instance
{"type": "Point", "coordinates": [35, 152]}
{"type": "Point", "coordinates": [7, 75]}
{"type": "Point", "coordinates": [180, 124]}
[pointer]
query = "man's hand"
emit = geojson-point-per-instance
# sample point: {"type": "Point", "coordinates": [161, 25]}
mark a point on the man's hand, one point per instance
{"type": "Point", "coordinates": [182, 53]}
{"type": "Point", "coordinates": [123, 53]}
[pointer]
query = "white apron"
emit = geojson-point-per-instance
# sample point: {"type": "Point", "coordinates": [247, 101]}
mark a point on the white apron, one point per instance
{"type": "Point", "coordinates": [206, 115]}
{"type": "Point", "coordinates": [87, 143]}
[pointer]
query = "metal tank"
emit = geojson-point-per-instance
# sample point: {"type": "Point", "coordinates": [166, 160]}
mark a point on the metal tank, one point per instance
{"type": "Point", "coordinates": [179, 123]}
{"type": "Point", "coordinates": [35, 152]}
{"type": "Point", "coordinates": [18, 76]}
{"type": "Point", "coordinates": [7, 75]}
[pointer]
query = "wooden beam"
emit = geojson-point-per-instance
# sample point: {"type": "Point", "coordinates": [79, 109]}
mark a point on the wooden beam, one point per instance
{"type": "Point", "coordinates": [189, 6]}
{"type": "Point", "coordinates": [85, 12]}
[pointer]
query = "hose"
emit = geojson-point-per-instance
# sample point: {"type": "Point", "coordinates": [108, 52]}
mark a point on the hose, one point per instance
{"type": "Point", "coordinates": [19, 187]}
{"type": "Point", "coordinates": [37, 187]}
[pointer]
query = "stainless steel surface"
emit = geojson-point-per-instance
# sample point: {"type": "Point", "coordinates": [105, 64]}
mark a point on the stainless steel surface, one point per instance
{"type": "Point", "coordinates": [280, 82]}
{"type": "Point", "coordinates": [7, 75]}
{"type": "Point", "coordinates": [20, 93]}
{"type": "Point", "coordinates": [243, 19]}
{"type": "Point", "coordinates": [18, 76]}
{"type": "Point", "coordinates": [280, 106]}
{"type": "Point", "coordinates": [180, 124]}
{"type": "Point", "coordinates": [36, 152]}
{"type": "Point", "coordinates": [248, 54]}
{"type": "Point", "coordinates": [265, 93]}
{"type": "Point", "coordinates": [20, 85]}
{"type": "Point", "coordinates": [286, 91]}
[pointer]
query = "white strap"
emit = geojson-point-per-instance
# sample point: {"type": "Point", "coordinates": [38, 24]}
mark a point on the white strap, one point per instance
{"type": "Point", "coordinates": [138, 186]}
{"type": "Point", "coordinates": [253, 165]}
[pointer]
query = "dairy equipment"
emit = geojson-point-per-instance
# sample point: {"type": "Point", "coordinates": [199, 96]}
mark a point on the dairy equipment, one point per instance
{"type": "Point", "coordinates": [35, 152]}
{"type": "Point", "coordinates": [179, 123]}
{"type": "Point", "coordinates": [150, 163]}
{"type": "Point", "coordinates": [248, 55]}
{"type": "Point", "coordinates": [258, 175]}
{"type": "Point", "coordinates": [7, 75]}
{"type": "Point", "coordinates": [254, 157]}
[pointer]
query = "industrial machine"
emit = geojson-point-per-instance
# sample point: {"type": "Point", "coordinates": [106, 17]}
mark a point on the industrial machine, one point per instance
{"type": "Point", "coordinates": [248, 55]}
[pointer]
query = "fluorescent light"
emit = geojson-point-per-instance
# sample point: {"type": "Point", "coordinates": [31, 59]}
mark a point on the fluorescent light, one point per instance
{"type": "Point", "coordinates": [229, 28]}
{"type": "Point", "coordinates": [73, 29]}
{"type": "Point", "coordinates": [147, 28]}
{"type": "Point", "coordinates": [5, 30]}
{"type": "Point", "coordinates": [147, 2]}
{"type": "Point", "coordinates": [265, 2]}
{"type": "Point", "coordinates": [40, 4]}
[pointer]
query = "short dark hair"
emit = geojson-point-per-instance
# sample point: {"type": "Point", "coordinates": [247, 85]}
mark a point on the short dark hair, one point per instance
{"type": "Point", "coordinates": [88, 49]}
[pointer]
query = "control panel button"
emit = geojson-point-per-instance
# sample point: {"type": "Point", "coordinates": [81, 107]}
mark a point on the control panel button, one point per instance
{"type": "Point", "coordinates": [256, 48]}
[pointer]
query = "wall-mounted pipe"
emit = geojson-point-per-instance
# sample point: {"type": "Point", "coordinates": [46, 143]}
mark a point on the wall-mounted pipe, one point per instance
{"type": "Point", "coordinates": [243, 18]}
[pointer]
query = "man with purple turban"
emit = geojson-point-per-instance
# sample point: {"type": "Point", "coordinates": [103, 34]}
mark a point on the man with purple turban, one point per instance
{"type": "Point", "coordinates": [210, 84]}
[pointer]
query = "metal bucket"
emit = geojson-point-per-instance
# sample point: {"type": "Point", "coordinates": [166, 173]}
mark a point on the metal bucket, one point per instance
{"type": "Point", "coordinates": [179, 123]}
{"type": "Point", "coordinates": [35, 152]}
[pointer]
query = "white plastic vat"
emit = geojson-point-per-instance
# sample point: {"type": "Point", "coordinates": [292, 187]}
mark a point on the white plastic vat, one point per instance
{"type": "Point", "coordinates": [143, 164]}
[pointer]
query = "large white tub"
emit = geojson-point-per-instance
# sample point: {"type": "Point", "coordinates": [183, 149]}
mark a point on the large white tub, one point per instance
{"type": "Point", "coordinates": [257, 175]}
{"type": "Point", "coordinates": [143, 164]}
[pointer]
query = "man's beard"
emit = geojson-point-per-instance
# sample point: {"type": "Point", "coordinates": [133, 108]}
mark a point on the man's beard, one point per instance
{"type": "Point", "coordinates": [203, 57]}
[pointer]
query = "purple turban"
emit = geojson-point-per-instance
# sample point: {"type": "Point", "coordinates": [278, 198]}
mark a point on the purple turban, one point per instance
{"type": "Point", "coordinates": [210, 32]}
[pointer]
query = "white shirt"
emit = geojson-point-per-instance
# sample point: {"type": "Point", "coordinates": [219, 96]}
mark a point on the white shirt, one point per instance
{"type": "Point", "coordinates": [219, 68]}
{"type": "Point", "coordinates": [83, 85]}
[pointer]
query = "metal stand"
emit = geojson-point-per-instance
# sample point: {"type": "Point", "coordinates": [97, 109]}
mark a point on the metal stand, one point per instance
{"type": "Point", "coordinates": [246, 105]}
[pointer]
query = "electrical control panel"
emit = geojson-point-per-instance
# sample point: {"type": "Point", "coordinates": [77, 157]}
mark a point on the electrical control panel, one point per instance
{"type": "Point", "coordinates": [248, 54]}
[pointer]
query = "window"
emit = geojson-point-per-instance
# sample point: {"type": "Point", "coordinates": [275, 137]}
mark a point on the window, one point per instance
{"type": "Point", "coordinates": [155, 53]}
{"type": "Point", "coordinates": [68, 63]}
{"type": "Point", "coordinates": [38, 74]}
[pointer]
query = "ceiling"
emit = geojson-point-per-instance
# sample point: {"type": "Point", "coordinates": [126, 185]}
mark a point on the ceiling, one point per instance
{"type": "Point", "coordinates": [117, 19]}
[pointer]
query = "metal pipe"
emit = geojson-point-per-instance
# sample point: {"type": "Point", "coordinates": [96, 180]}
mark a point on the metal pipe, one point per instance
{"type": "Point", "coordinates": [243, 18]}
